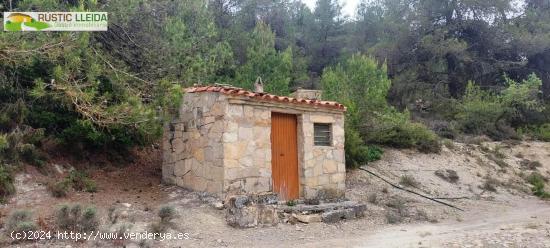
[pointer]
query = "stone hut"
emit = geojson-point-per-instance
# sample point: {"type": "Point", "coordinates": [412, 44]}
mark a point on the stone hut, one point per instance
{"type": "Point", "coordinates": [227, 140]}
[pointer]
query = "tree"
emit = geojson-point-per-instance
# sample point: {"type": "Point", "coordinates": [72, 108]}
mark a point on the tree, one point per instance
{"type": "Point", "coordinates": [326, 34]}
{"type": "Point", "coordinates": [264, 61]}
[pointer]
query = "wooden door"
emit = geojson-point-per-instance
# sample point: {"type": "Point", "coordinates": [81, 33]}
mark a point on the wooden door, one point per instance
{"type": "Point", "coordinates": [284, 155]}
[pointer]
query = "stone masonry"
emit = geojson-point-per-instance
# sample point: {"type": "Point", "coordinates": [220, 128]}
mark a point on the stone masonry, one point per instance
{"type": "Point", "coordinates": [221, 144]}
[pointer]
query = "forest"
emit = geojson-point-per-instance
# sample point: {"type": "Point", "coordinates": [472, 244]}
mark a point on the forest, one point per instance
{"type": "Point", "coordinates": [412, 73]}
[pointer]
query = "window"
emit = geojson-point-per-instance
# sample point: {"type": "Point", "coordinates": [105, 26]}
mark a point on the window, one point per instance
{"type": "Point", "coordinates": [322, 134]}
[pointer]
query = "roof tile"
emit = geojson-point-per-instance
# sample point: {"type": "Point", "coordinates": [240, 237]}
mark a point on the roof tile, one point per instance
{"type": "Point", "coordinates": [229, 90]}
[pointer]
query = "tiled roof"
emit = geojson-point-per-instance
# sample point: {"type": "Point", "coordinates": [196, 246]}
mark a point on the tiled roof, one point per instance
{"type": "Point", "coordinates": [234, 91]}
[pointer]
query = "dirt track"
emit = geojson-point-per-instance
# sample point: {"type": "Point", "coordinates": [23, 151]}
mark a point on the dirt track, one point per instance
{"type": "Point", "coordinates": [526, 224]}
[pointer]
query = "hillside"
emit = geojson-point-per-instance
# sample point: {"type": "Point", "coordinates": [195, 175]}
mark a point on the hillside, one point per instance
{"type": "Point", "coordinates": [498, 203]}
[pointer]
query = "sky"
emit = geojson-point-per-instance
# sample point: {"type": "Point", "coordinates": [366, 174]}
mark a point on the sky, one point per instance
{"type": "Point", "coordinates": [348, 8]}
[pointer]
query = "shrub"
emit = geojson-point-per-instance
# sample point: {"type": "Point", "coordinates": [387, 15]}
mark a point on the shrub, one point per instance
{"type": "Point", "coordinates": [393, 217]}
{"type": "Point", "coordinates": [158, 227]}
{"type": "Point", "coordinates": [409, 181]}
{"type": "Point", "coordinates": [59, 189]}
{"type": "Point", "coordinates": [72, 218]}
{"type": "Point", "coordinates": [447, 175]}
{"type": "Point", "coordinates": [490, 184]}
{"type": "Point", "coordinates": [537, 181]}
{"type": "Point", "coordinates": [399, 204]}
{"type": "Point", "coordinates": [3, 142]}
{"type": "Point", "coordinates": [500, 162]}
{"type": "Point", "coordinates": [372, 198]}
{"type": "Point", "coordinates": [89, 220]}
{"type": "Point", "coordinates": [395, 129]}
{"type": "Point", "coordinates": [362, 85]}
{"type": "Point", "coordinates": [77, 180]}
{"type": "Point", "coordinates": [484, 112]}
{"type": "Point", "coordinates": [166, 214]}
{"type": "Point", "coordinates": [20, 145]}
{"type": "Point", "coordinates": [6, 183]}
{"type": "Point", "coordinates": [20, 221]}
{"type": "Point", "coordinates": [357, 153]}
{"type": "Point", "coordinates": [444, 129]}
{"type": "Point", "coordinates": [449, 144]}
{"type": "Point", "coordinates": [541, 132]}
{"type": "Point", "coordinates": [81, 182]}
{"type": "Point", "coordinates": [530, 165]}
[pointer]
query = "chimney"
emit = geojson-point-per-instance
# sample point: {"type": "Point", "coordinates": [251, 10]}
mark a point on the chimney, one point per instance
{"type": "Point", "coordinates": [307, 94]}
{"type": "Point", "coordinates": [258, 85]}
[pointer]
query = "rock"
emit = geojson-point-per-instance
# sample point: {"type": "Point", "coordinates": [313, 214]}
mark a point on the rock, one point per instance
{"type": "Point", "coordinates": [239, 201]}
{"type": "Point", "coordinates": [218, 205]}
{"type": "Point", "coordinates": [312, 201]}
{"type": "Point", "coordinates": [349, 214]}
{"type": "Point", "coordinates": [267, 216]}
{"type": "Point", "coordinates": [265, 198]}
{"type": "Point", "coordinates": [124, 214]}
{"type": "Point", "coordinates": [359, 210]}
{"type": "Point", "coordinates": [242, 217]}
{"type": "Point", "coordinates": [308, 218]}
{"type": "Point", "coordinates": [126, 205]}
{"type": "Point", "coordinates": [332, 216]}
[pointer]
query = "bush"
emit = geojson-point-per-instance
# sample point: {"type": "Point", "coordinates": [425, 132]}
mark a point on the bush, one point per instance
{"type": "Point", "coordinates": [393, 217]}
{"type": "Point", "coordinates": [494, 114]}
{"type": "Point", "coordinates": [20, 221]}
{"type": "Point", "coordinates": [357, 153]}
{"type": "Point", "coordinates": [3, 142]}
{"type": "Point", "coordinates": [537, 181]}
{"type": "Point", "coordinates": [20, 145]}
{"type": "Point", "coordinates": [409, 181]}
{"type": "Point", "coordinates": [72, 218]}
{"type": "Point", "coordinates": [396, 129]}
{"type": "Point", "coordinates": [76, 180]}
{"type": "Point", "coordinates": [166, 214]}
{"type": "Point", "coordinates": [541, 132]}
{"type": "Point", "coordinates": [59, 189]}
{"type": "Point", "coordinates": [362, 84]}
{"type": "Point", "coordinates": [81, 182]}
{"type": "Point", "coordinates": [6, 183]}
{"type": "Point", "coordinates": [490, 184]}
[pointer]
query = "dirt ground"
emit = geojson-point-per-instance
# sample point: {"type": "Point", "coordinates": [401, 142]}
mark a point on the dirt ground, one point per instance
{"type": "Point", "coordinates": [507, 217]}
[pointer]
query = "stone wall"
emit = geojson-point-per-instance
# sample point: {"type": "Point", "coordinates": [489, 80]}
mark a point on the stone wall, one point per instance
{"type": "Point", "coordinates": [247, 147]}
{"type": "Point", "coordinates": [324, 169]}
{"type": "Point", "coordinates": [192, 144]}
